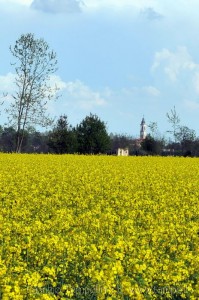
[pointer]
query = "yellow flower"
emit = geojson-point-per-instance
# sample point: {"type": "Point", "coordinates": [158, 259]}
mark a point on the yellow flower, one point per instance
{"type": "Point", "coordinates": [98, 226]}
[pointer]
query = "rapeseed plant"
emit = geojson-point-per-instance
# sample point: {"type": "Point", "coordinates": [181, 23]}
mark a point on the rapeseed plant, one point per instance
{"type": "Point", "coordinates": [98, 227]}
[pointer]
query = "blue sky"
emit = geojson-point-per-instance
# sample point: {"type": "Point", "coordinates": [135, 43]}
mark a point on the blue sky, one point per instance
{"type": "Point", "coordinates": [119, 59]}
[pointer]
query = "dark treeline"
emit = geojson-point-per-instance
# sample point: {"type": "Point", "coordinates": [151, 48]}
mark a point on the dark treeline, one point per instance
{"type": "Point", "coordinates": [155, 146]}
{"type": "Point", "coordinates": [88, 137]}
{"type": "Point", "coordinates": [91, 137]}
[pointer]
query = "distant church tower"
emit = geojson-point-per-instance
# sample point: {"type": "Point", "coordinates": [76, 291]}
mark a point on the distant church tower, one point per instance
{"type": "Point", "coordinates": [143, 133]}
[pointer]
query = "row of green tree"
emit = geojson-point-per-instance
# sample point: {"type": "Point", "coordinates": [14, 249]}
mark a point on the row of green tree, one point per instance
{"type": "Point", "coordinates": [91, 137]}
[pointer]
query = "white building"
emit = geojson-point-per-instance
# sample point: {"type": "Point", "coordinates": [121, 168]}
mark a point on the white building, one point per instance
{"type": "Point", "coordinates": [122, 152]}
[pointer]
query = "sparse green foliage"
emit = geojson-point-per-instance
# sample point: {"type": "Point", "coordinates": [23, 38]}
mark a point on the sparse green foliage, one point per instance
{"type": "Point", "coordinates": [153, 127]}
{"type": "Point", "coordinates": [34, 64]}
{"type": "Point", "coordinates": [186, 137]}
{"type": "Point", "coordinates": [174, 120]}
{"type": "Point", "coordinates": [185, 134]}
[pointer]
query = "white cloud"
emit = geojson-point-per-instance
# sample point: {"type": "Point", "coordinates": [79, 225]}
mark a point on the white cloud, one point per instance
{"type": "Point", "coordinates": [192, 105]}
{"type": "Point", "coordinates": [151, 91]}
{"type": "Point", "coordinates": [151, 14]}
{"type": "Point", "coordinates": [174, 63]}
{"type": "Point", "coordinates": [57, 6]}
{"type": "Point", "coordinates": [75, 91]}
{"type": "Point", "coordinates": [55, 80]}
{"type": "Point", "coordinates": [196, 81]}
{"type": "Point", "coordinates": [7, 82]}
{"type": "Point", "coordinates": [97, 4]}
{"type": "Point", "coordinates": [7, 86]}
{"type": "Point", "coordinates": [74, 95]}
{"type": "Point", "coordinates": [21, 2]}
{"type": "Point", "coordinates": [82, 96]}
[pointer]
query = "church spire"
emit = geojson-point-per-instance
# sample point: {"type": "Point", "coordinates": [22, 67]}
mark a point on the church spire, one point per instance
{"type": "Point", "coordinates": [143, 129]}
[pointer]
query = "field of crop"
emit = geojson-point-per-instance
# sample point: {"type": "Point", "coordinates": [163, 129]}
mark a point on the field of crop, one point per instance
{"type": "Point", "coordinates": [98, 227]}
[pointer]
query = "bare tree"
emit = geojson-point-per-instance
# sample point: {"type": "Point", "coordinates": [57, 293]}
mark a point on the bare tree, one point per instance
{"type": "Point", "coordinates": [3, 96]}
{"type": "Point", "coordinates": [174, 119]}
{"type": "Point", "coordinates": [35, 62]}
{"type": "Point", "coordinates": [153, 126]}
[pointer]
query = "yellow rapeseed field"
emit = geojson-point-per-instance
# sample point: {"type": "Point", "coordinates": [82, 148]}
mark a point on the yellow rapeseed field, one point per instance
{"type": "Point", "coordinates": [98, 227]}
